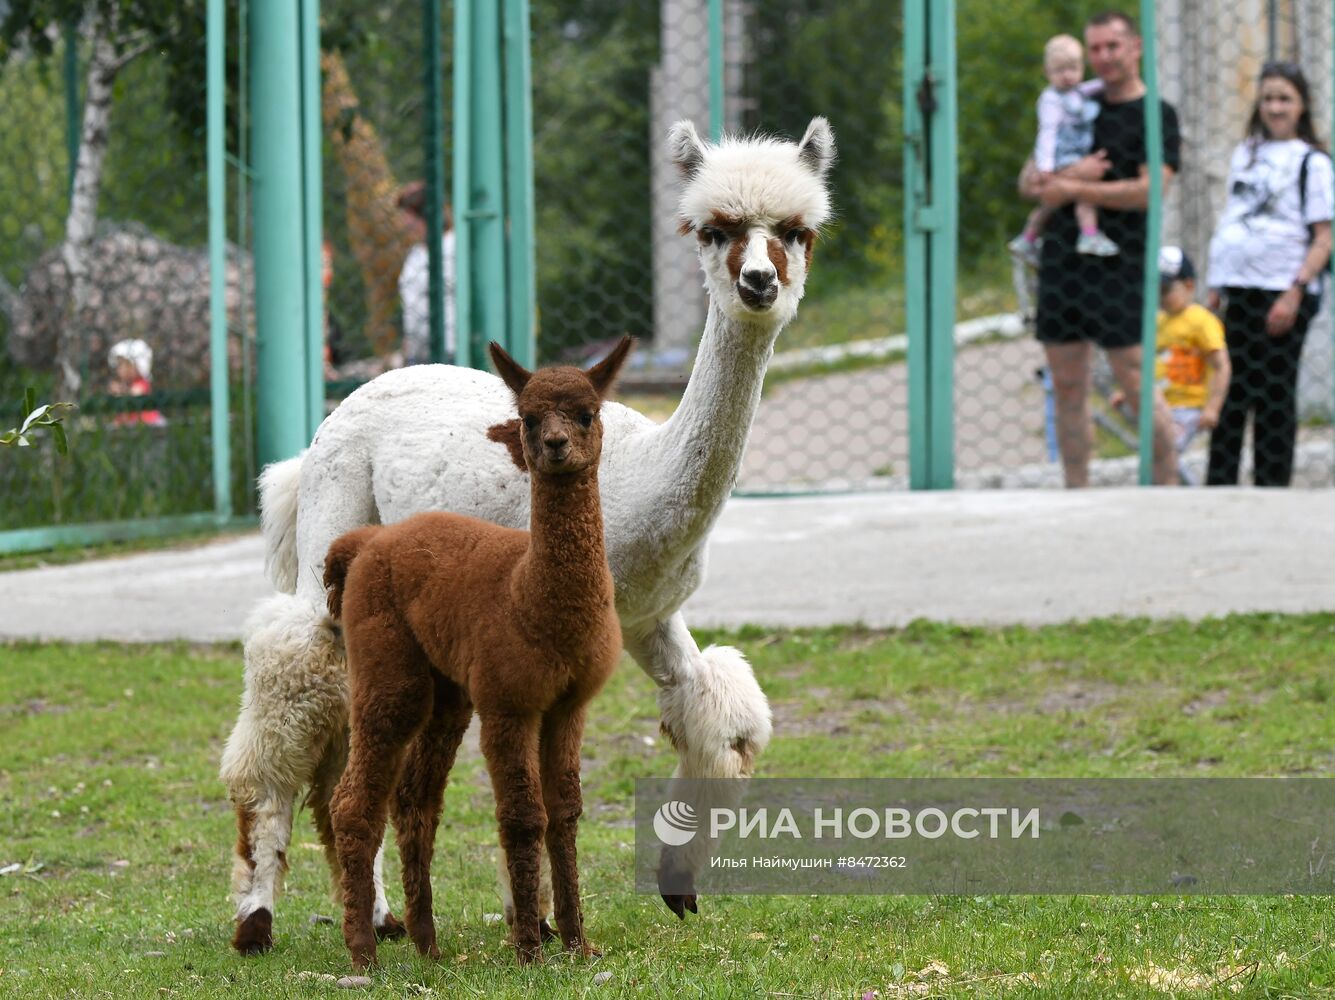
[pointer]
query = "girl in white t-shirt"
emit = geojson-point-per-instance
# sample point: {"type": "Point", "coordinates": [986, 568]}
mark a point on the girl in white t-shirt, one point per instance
{"type": "Point", "coordinates": [1269, 250]}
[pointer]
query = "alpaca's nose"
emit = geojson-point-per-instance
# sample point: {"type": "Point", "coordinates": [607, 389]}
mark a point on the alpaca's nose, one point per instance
{"type": "Point", "coordinates": [556, 441]}
{"type": "Point", "coordinates": [758, 279]}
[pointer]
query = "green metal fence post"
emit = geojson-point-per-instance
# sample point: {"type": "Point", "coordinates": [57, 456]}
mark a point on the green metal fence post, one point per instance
{"type": "Point", "coordinates": [280, 319]}
{"type": "Point", "coordinates": [495, 289]}
{"type": "Point", "coordinates": [217, 171]}
{"type": "Point", "coordinates": [483, 211]}
{"type": "Point", "coordinates": [463, 181]}
{"type": "Point", "coordinates": [433, 133]}
{"type": "Point", "coordinates": [312, 222]}
{"type": "Point", "coordinates": [930, 237]}
{"type": "Point", "coordinates": [520, 267]}
{"type": "Point", "coordinates": [1149, 318]}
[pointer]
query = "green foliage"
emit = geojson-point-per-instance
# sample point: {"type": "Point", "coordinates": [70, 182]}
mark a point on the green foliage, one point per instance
{"type": "Point", "coordinates": [591, 168]}
{"type": "Point", "coordinates": [35, 418]}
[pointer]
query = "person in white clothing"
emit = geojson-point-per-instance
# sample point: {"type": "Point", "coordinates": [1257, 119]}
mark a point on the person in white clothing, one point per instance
{"type": "Point", "coordinates": [1066, 112]}
{"type": "Point", "coordinates": [1267, 257]}
{"type": "Point", "coordinates": [414, 278]}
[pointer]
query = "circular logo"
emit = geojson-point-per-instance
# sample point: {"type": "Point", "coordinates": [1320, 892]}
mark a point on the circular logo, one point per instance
{"type": "Point", "coordinates": [675, 823]}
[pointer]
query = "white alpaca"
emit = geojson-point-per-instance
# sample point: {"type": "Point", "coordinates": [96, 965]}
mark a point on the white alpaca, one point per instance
{"type": "Point", "coordinates": [437, 437]}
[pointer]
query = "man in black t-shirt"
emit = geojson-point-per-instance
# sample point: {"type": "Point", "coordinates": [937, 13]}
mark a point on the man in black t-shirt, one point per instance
{"type": "Point", "coordinates": [1085, 300]}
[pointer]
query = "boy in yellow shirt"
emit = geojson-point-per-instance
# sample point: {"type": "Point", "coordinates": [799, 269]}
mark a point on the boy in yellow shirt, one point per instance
{"type": "Point", "coordinates": [1190, 342]}
{"type": "Point", "coordinates": [1192, 368]}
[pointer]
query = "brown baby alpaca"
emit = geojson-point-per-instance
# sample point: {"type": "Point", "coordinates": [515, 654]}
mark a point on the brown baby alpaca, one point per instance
{"type": "Point", "coordinates": [445, 614]}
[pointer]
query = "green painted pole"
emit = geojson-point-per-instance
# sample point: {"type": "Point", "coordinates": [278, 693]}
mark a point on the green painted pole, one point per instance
{"type": "Point", "coordinates": [915, 242]}
{"type": "Point", "coordinates": [463, 181]}
{"type": "Point", "coordinates": [716, 69]}
{"type": "Point", "coordinates": [313, 223]}
{"type": "Point", "coordinates": [520, 267]}
{"type": "Point", "coordinates": [278, 242]}
{"type": "Point", "coordinates": [433, 134]}
{"type": "Point", "coordinates": [1149, 319]}
{"type": "Point", "coordinates": [485, 208]}
{"type": "Point", "coordinates": [219, 410]}
{"type": "Point", "coordinates": [930, 238]}
{"type": "Point", "coordinates": [944, 237]}
{"type": "Point", "coordinates": [73, 128]}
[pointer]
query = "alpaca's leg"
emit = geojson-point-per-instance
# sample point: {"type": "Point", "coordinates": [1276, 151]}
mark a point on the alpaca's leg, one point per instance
{"type": "Point", "coordinates": [294, 707]}
{"type": "Point", "coordinates": [544, 893]}
{"type": "Point", "coordinates": [562, 735]}
{"type": "Point", "coordinates": [387, 713]}
{"type": "Point", "coordinates": [264, 827]}
{"type": "Point", "coordinates": [510, 746]}
{"type": "Point", "coordinates": [417, 801]}
{"type": "Point", "coordinates": [717, 719]}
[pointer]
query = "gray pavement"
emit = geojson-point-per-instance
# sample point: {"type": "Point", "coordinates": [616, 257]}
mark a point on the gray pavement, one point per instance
{"type": "Point", "coordinates": [882, 559]}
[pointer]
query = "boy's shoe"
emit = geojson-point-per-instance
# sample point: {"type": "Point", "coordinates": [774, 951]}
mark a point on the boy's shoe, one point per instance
{"type": "Point", "coordinates": [1025, 251]}
{"type": "Point", "coordinates": [1097, 244]}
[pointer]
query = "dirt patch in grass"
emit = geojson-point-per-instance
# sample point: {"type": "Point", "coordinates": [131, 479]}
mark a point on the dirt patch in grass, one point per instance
{"type": "Point", "coordinates": [33, 706]}
{"type": "Point", "coordinates": [803, 718]}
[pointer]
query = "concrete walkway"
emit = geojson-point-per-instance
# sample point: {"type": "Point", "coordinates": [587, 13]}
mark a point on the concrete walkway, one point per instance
{"type": "Point", "coordinates": [883, 559]}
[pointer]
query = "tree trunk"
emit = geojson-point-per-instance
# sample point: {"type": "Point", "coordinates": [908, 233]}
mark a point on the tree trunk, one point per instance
{"type": "Point", "coordinates": [82, 218]}
{"type": "Point", "coordinates": [378, 238]}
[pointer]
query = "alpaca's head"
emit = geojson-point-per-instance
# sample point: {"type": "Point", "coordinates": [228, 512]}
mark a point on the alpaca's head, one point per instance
{"type": "Point", "coordinates": [560, 427]}
{"type": "Point", "coordinates": [755, 206]}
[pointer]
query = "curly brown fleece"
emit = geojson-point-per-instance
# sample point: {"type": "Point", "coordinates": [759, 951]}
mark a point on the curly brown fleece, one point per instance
{"type": "Point", "coordinates": [445, 614]}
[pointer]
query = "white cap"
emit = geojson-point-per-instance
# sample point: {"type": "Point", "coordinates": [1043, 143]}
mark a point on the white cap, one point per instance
{"type": "Point", "coordinates": [136, 352]}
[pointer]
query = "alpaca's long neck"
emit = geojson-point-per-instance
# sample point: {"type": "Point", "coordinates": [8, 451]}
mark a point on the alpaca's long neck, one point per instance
{"type": "Point", "coordinates": [566, 563]}
{"type": "Point", "coordinates": [699, 449]}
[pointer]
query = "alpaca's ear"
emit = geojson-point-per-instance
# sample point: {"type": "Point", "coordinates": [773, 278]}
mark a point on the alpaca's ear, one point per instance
{"type": "Point", "coordinates": [512, 373]}
{"type": "Point", "coordinates": [605, 372]}
{"type": "Point", "coordinates": [816, 150]}
{"type": "Point", "coordinates": [685, 147]}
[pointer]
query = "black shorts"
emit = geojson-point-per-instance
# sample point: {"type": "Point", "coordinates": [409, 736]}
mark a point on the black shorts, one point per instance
{"type": "Point", "coordinates": [1087, 298]}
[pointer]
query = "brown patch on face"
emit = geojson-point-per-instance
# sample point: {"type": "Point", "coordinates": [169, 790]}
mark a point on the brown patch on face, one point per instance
{"type": "Point", "coordinates": [508, 435]}
{"type": "Point", "coordinates": [809, 242]}
{"type": "Point", "coordinates": [685, 228]}
{"type": "Point", "coordinates": [735, 250]}
{"type": "Point", "coordinates": [730, 224]}
{"type": "Point", "coordinates": [778, 256]}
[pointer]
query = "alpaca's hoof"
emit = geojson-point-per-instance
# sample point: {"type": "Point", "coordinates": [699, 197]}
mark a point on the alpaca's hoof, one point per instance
{"type": "Point", "coordinates": [545, 930]}
{"type": "Point", "coordinates": [530, 954]}
{"type": "Point", "coordinates": [676, 884]}
{"type": "Point", "coordinates": [680, 904]}
{"type": "Point", "coordinates": [254, 934]}
{"type": "Point", "coordinates": [364, 959]}
{"type": "Point", "coordinates": [391, 929]}
{"type": "Point", "coordinates": [584, 949]}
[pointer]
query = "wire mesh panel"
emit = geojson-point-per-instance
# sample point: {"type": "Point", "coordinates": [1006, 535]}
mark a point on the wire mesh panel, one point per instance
{"type": "Point", "coordinates": [609, 80]}
{"type": "Point", "coordinates": [375, 116]}
{"type": "Point", "coordinates": [104, 262]}
{"type": "Point", "coordinates": [1061, 406]}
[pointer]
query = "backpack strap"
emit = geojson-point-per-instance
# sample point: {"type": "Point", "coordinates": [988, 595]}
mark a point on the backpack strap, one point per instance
{"type": "Point", "coordinates": [1302, 185]}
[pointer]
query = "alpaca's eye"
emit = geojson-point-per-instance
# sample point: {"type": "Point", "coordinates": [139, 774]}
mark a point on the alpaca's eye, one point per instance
{"type": "Point", "coordinates": [530, 422]}
{"type": "Point", "coordinates": [793, 235]}
{"type": "Point", "coordinates": [712, 236]}
{"type": "Point", "coordinates": [586, 419]}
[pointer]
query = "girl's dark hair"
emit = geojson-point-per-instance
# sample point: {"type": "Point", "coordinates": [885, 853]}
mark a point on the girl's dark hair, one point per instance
{"type": "Point", "coordinates": [1293, 73]}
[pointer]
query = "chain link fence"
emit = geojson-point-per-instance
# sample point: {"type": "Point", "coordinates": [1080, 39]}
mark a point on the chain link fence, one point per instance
{"type": "Point", "coordinates": [104, 272]}
{"type": "Point", "coordinates": [608, 80]}
{"type": "Point", "coordinates": [1210, 57]}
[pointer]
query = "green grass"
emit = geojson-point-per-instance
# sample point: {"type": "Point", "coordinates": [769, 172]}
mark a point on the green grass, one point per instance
{"type": "Point", "coordinates": [109, 798]}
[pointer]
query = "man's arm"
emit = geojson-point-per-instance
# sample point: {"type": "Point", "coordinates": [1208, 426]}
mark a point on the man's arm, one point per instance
{"type": "Point", "coordinates": [1131, 195]}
